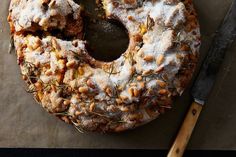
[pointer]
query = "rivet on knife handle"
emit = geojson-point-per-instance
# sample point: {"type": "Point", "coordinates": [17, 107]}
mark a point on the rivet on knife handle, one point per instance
{"type": "Point", "coordinates": [185, 131]}
{"type": "Point", "coordinates": [224, 38]}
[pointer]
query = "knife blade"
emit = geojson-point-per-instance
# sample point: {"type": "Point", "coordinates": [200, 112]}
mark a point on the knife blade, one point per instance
{"type": "Point", "coordinates": [223, 39]}
{"type": "Point", "coordinates": [201, 89]}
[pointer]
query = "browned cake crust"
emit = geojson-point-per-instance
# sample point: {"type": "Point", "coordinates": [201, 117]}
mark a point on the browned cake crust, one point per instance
{"type": "Point", "coordinates": [106, 96]}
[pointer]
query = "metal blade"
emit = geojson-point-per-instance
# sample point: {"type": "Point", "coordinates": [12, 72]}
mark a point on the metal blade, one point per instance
{"type": "Point", "coordinates": [225, 36]}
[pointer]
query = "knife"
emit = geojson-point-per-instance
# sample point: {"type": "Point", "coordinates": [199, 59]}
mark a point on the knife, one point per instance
{"type": "Point", "coordinates": [201, 89]}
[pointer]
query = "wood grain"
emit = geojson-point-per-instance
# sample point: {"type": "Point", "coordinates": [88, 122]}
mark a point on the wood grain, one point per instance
{"type": "Point", "coordinates": [185, 131]}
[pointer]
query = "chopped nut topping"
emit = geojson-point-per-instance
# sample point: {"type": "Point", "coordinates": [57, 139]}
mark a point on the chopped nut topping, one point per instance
{"type": "Point", "coordinates": [148, 58]}
{"type": "Point", "coordinates": [83, 89]}
{"type": "Point", "coordinates": [160, 59]}
{"type": "Point", "coordinates": [105, 96]}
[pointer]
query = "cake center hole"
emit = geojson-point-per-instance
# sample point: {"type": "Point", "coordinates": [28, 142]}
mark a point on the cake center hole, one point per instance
{"type": "Point", "coordinates": [107, 39]}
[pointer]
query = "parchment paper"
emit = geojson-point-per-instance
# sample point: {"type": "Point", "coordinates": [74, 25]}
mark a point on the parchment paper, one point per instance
{"type": "Point", "coordinates": [23, 123]}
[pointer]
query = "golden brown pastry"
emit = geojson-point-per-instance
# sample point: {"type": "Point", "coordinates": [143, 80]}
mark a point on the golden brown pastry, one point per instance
{"type": "Point", "coordinates": [106, 96]}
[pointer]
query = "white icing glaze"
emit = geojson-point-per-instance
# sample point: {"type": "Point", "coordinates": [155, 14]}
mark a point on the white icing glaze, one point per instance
{"type": "Point", "coordinates": [115, 85]}
{"type": "Point", "coordinates": [25, 12]}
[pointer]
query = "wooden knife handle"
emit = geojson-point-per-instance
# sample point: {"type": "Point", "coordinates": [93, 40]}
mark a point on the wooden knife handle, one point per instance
{"type": "Point", "coordinates": [185, 132]}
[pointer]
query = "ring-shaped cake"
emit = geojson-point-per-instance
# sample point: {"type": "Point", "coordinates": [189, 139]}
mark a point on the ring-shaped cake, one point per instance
{"type": "Point", "coordinates": [106, 96]}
